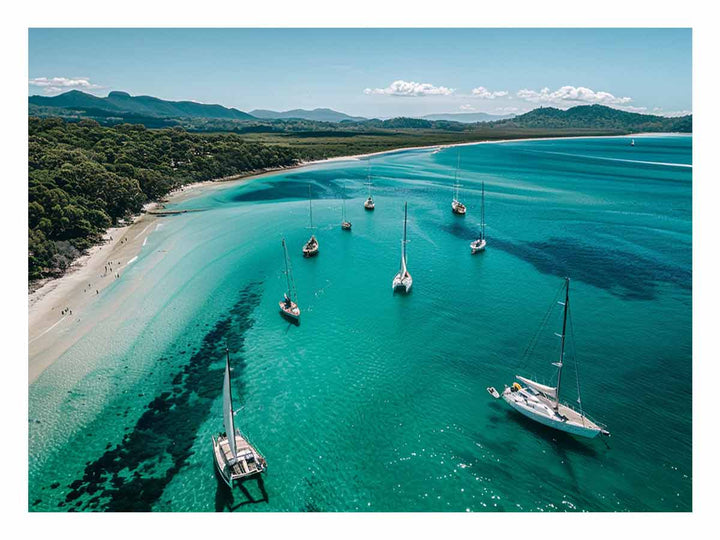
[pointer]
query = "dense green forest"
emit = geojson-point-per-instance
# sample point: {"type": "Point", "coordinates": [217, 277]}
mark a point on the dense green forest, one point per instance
{"type": "Point", "coordinates": [83, 178]}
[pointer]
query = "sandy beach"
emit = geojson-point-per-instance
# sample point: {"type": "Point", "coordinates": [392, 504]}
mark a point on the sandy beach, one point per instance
{"type": "Point", "coordinates": [56, 309]}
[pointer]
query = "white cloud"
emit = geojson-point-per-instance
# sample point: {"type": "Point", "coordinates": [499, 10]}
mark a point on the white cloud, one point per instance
{"type": "Point", "coordinates": [670, 114]}
{"type": "Point", "coordinates": [569, 96]}
{"type": "Point", "coordinates": [55, 85]}
{"type": "Point", "coordinates": [411, 89]}
{"type": "Point", "coordinates": [467, 108]}
{"type": "Point", "coordinates": [483, 93]}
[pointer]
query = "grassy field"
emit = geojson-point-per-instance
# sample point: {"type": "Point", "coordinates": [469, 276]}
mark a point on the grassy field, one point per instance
{"type": "Point", "coordinates": [314, 145]}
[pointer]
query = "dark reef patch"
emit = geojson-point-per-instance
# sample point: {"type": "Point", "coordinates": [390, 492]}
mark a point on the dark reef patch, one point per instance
{"type": "Point", "coordinates": [324, 186]}
{"type": "Point", "coordinates": [131, 476]}
{"type": "Point", "coordinates": [622, 273]}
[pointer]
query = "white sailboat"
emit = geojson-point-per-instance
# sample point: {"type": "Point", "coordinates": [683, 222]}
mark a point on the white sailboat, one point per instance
{"type": "Point", "coordinates": [403, 280]}
{"type": "Point", "coordinates": [345, 225]}
{"type": "Point", "coordinates": [288, 305]}
{"type": "Point", "coordinates": [311, 247]}
{"type": "Point", "coordinates": [476, 246]}
{"type": "Point", "coordinates": [369, 203]}
{"type": "Point", "coordinates": [632, 142]}
{"type": "Point", "coordinates": [541, 402]}
{"type": "Point", "coordinates": [235, 457]}
{"type": "Point", "coordinates": [457, 207]}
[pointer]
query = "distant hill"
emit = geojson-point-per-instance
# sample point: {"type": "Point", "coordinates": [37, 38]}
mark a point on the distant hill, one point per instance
{"type": "Point", "coordinates": [120, 104]}
{"type": "Point", "coordinates": [468, 118]}
{"type": "Point", "coordinates": [596, 117]}
{"type": "Point", "coordinates": [318, 115]}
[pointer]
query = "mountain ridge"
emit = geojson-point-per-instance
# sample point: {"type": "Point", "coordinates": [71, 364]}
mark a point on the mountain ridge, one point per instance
{"type": "Point", "coordinates": [123, 102]}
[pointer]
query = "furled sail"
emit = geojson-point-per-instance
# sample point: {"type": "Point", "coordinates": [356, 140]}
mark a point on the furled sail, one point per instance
{"type": "Point", "coordinates": [549, 391]}
{"type": "Point", "coordinates": [228, 410]}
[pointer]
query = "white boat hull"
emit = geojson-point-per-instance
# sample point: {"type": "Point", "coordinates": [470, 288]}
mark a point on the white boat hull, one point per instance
{"type": "Point", "coordinates": [402, 283]}
{"type": "Point", "coordinates": [539, 411]}
{"type": "Point", "coordinates": [477, 247]}
{"type": "Point", "coordinates": [458, 208]}
{"type": "Point", "coordinates": [291, 312]}
{"type": "Point", "coordinates": [250, 462]}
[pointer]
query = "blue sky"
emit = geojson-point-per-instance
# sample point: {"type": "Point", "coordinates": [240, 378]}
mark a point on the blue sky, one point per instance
{"type": "Point", "coordinates": [374, 72]}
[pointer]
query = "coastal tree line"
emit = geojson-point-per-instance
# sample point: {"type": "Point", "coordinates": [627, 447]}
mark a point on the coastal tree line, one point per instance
{"type": "Point", "coordinates": [84, 178]}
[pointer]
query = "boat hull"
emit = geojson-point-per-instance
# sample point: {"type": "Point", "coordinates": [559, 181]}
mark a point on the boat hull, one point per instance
{"type": "Point", "coordinates": [249, 464]}
{"type": "Point", "coordinates": [346, 226]}
{"type": "Point", "coordinates": [401, 284]}
{"type": "Point", "coordinates": [458, 208]}
{"type": "Point", "coordinates": [542, 416]}
{"type": "Point", "coordinates": [478, 247]}
{"type": "Point", "coordinates": [292, 312]}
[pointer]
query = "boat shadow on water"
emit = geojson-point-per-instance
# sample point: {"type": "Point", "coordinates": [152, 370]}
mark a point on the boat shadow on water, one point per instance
{"type": "Point", "coordinates": [290, 320]}
{"type": "Point", "coordinates": [228, 499]}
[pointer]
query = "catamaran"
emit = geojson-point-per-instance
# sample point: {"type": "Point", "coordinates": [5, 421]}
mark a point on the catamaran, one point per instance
{"type": "Point", "coordinates": [235, 457]}
{"type": "Point", "coordinates": [457, 207]}
{"type": "Point", "coordinates": [403, 280]}
{"type": "Point", "coordinates": [476, 246]}
{"type": "Point", "coordinates": [369, 203]}
{"type": "Point", "coordinates": [288, 305]}
{"type": "Point", "coordinates": [345, 225]}
{"type": "Point", "coordinates": [311, 247]}
{"type": "Point", "coordinates": [541, 402]}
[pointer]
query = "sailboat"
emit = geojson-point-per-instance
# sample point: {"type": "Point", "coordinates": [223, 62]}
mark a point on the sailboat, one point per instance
{"type": "Point", "coordinates": [403, 280]}
{"type": "Point", "coordinates": [632, 142]}
{"type": "Point", "coordinates": [369, 203]}
{"type": "Point", "coordinates": [288, 305]}
{"type": "Point", "coordinates": [457, 207]}
{"type": "Point", "coordinates": [346, 225]}
{"type": "Point", "coordinates": [476, 246]}
{"type": "Point", "coordinates": [541, 402]}
{"type": "Point", "coordinates": [235, 457]}
{"type": "Point", "coordinates": [311, 247]}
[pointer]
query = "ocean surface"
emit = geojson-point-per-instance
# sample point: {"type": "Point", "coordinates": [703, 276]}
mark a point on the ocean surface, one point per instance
{"type": "Point", "coordinates": [376, 401]}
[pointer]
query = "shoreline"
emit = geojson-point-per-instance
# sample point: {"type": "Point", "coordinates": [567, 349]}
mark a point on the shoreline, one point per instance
{"type": "Point", "coordinates": [58, 302]}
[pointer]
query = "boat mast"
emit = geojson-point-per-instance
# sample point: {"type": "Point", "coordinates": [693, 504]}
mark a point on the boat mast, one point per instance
{"type": "Point", "coordinates": [562, 342]}
{"type": "Point", "coordinates": [369, 182]}
{"type": "Point", "coordinates": [288, 273]}
{"type": "Point", "coordinates": [228, 408]}
{"type": "Point", "coordinates": [404, 242]}
{"type": "Point", "coordinates": [310, 198]}
{"type": "Point", "coordinates": [482, 213]}
{"type": "Point", "coordinates": [457, 167]}
{"type": "Point", "coordinates": [343, 207]}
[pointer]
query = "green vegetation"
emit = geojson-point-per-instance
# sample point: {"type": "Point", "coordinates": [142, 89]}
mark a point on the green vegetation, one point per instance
{"type": "Point", "coordinates": [83, 178]}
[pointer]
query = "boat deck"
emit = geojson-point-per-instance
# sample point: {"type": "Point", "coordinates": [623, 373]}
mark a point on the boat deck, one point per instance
{"type": "Point", "coordinates": [546, 406]}
{"type": "Point", "coordinates": [249, 461]}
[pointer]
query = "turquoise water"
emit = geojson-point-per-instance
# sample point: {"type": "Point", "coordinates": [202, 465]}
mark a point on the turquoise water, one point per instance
{"type": "Point", "coordinates": [377, 402]}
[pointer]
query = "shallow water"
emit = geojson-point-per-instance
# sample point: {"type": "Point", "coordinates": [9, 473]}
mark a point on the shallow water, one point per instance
{"type": "Point", "coordinates": [377, 401]}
